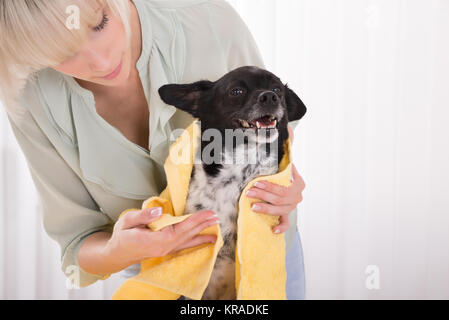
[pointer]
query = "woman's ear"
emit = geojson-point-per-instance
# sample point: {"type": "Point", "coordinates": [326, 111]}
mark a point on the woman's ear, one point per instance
{"type": "Point", "coordinates": [185, 96]}
{"type": "Point", "coordinates": [296, 108]}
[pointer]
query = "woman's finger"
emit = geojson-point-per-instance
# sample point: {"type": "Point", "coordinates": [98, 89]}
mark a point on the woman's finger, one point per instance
{"type": "Point", "coordinates": [195, 241]}
{"type": "Point", "coordinates": [283, 225]}
{"type": "Point", "coordinates": [133, 219]}
{"type": "Point", "coordinates": [270, 209]}
{"type": "Point", "coordinates": [267, 196]}
{"type": "Point", "coordinates": [190, 233]}
{"type": "Point", "coordinates": [193, 221]}
{"type": "Point", "coordinates": [172, 233]}
{"type": "Point", "coordinates": [277, 189]}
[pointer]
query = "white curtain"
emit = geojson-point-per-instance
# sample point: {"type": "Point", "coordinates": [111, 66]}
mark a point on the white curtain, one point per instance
{"type": "Point", "coordinates": [372, 149]}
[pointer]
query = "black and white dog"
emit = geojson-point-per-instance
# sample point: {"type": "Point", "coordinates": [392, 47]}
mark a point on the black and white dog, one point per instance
{"type": "Point", "coordinates": [255, 104]}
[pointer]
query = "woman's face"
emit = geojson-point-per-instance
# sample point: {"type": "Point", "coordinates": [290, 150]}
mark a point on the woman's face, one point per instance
{"type": "Point", "coordinates": [104, 59]}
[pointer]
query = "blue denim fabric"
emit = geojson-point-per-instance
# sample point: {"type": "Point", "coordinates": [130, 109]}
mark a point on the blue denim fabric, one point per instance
{"type": "Point", "coordinates": [294, 262]}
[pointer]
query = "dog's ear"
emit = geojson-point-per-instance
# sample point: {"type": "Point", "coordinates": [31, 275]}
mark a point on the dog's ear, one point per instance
{"type": "Point", "coordinates": [296, 108]}
{"type": "Point", "coordinates": [185, 96]}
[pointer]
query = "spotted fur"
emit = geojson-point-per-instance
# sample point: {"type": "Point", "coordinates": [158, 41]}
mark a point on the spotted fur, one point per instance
{"type": "Point", "coordinates": [219, 190]}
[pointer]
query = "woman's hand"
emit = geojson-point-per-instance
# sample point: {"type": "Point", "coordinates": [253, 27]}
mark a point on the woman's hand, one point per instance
{"type": "Point", "coordinates": [281, 200]}
{"type": "Point", "coordinates": [132, 242]}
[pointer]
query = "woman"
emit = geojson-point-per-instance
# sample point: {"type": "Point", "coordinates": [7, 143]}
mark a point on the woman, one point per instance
{"type": "Point", "coordinates": [79, 79]}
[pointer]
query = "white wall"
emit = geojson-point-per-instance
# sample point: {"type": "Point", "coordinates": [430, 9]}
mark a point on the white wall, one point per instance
{"type": "Point", "coordinates": [373, 148]}
{"type": "Point", "coordinates": [373, 151]}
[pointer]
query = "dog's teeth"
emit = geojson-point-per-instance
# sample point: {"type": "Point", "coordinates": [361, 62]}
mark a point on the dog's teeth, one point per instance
{"type": "Point", "coordinates": [244, 123]}
{"type": "Point", "coordinates": [258, 124]}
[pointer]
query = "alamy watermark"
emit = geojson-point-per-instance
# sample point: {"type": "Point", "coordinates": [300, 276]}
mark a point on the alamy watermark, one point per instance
{"type": "Point", "coordinates": [372, 21]}
{"type": "Point", "coordinates": [372, 281]}
{"type": "Point", "coordinates": [73, 274]}
{"type": "Point", "coordinates": [73, 20]}
{"type": "Point", "coordinates": [239, 146]}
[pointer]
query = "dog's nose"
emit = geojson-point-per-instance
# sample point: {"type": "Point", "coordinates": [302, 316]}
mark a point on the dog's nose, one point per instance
{"type": "Point", "coordinates": [268, 99]}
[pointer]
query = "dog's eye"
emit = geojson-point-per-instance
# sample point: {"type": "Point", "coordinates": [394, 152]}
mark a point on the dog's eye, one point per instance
{"type": "Point", "coordinates": [236, 92]}
{"type": "Point", "coordinates": [277, 90]}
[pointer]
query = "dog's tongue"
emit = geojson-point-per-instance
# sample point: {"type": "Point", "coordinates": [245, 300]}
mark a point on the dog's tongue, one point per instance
{"type": "Point", "coordinates": [265, 121]}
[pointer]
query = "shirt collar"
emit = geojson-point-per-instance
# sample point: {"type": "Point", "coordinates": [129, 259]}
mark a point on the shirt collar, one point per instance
{"type": "Point", "coordinates": [162, 60]}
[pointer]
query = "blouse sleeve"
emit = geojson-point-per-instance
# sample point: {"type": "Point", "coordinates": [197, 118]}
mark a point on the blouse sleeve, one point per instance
{"type": "Point", "coordinates": [69, 212]}
{"type": "Point", "coordinates": [237, 41]}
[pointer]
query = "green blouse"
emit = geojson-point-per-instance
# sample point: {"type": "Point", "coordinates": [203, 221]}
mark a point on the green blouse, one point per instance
{"type": "Point", "coordinates": [87, 172]}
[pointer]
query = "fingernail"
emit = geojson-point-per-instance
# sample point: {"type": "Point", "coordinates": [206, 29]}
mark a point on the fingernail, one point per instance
{"type": "Point", "coordinates": [256, 207]}
{"type": "Point", "coordinates": [277, 231]}
{"type": "Point", "coordinates": [213, 217]}
{"type": "Point", "coordinates": [259, 184]}
{"type": "Point", "coordinates": [251, 193]}
{"type": "Point", "coordinates": [156, 211]}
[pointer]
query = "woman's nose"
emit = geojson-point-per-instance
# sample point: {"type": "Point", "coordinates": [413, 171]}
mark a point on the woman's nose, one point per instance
{"type": "Point", "coordinates": [99, 62]}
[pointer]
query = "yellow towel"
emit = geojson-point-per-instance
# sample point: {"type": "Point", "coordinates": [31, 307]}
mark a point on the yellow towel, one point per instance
{"type": "Point", "coordinates": [260, 254]}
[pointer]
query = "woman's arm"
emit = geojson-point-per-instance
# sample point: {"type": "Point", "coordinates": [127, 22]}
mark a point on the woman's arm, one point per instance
{"type": "Point", "coordinates": [93, 246]}
{"type": "Point", "coordinates": [95, 257]}
{"type": "Point", "coordinates": [70, 215]}
{"type": "Point", "coordinates": [132, 242]}
{"type": "Point", "coordinates": [291, 134]}
{"type": "Point", "coordinates": [91, 256]}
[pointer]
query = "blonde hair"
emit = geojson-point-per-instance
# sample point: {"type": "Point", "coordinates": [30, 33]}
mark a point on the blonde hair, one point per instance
{"type": "Point", "coordinates": [34, 35]}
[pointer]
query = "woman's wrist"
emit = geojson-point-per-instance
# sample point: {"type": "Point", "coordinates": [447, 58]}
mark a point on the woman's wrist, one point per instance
{"type": "Point", "coordinates": [97, 255]}
{"type": "Point", "coordinates": [115, 258]}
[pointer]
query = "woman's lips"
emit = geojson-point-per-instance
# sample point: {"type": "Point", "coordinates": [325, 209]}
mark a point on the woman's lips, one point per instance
{"type": "Point", "coordinates": [114, 73]}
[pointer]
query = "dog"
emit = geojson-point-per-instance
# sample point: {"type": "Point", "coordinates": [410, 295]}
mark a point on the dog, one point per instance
{"type": "Point", "coordinates": [256, 104]}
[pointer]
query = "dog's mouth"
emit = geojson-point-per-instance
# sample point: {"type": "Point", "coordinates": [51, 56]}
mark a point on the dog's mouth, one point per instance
{"type": "Point", "coordinates": [266, 122]}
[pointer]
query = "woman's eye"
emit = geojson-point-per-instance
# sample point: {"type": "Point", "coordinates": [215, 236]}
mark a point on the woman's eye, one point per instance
{"type": "Point", "coordinates": [236, 91]}
{"type": "Point", "coordinates": [103, 23]}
